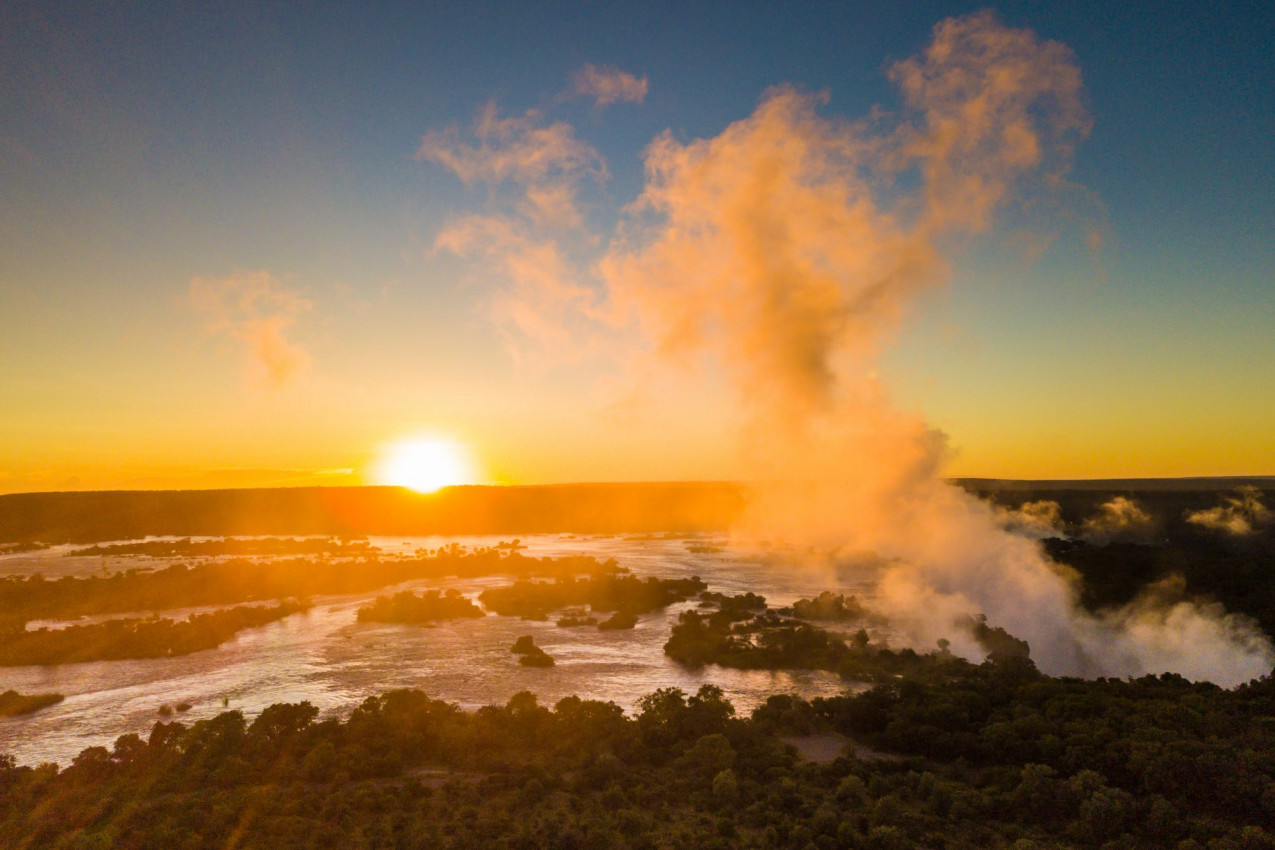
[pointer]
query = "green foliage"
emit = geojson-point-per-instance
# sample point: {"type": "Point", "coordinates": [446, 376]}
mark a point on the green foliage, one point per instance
{"type": "Point", "coordinates": [405, 770]}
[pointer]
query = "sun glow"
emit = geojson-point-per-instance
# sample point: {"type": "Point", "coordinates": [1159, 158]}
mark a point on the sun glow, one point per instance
{"type": "Point", "coordinates": [426, 465]}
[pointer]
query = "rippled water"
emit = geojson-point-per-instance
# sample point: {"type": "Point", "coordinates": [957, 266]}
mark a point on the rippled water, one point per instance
{"type": "Point", "coordinates": [328, 658]}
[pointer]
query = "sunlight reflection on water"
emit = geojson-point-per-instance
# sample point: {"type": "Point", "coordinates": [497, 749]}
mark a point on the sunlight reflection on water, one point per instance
{"type": "Point", "coordinates": [328, 658]}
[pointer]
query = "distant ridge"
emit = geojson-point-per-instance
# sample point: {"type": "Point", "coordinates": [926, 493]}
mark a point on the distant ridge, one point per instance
{"type": "Point", "coordinates": [621, 508]}
{"type": "Point", "coordinates": [1226, 482]}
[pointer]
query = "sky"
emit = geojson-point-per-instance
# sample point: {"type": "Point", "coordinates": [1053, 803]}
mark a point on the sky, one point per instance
{"type": "Point", "coordinates": [233, 247]}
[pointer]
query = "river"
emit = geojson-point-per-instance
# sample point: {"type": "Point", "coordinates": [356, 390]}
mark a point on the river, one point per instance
{"type": "Point", "coordinates": [326, 657]}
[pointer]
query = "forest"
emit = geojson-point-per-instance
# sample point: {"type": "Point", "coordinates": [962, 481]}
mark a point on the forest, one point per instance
{"type": "Point", "coordinates": [994, 755]}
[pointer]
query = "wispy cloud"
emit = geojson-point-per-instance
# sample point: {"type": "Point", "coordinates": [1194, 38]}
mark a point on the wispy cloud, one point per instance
{"type": "Point", "coordinates": [256, 309]}
{"type": "Point", "coordinates": [543, 311]}
{"type": "Point", "coordinates": [542, 306]}
{"type": "Point", "coordinates": [608, 85]}
{"type": "Point", "coordinates": [544, 160]}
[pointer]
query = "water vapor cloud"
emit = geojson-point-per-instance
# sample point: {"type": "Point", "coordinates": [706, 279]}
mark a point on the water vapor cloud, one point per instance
{"type": "Point", "coordinates": [785, 253]}
{"type": "Point", "coordinates": [1121, 520]}
{"type": "Point", "coordinates": [1238, 516]}
{"type": "Point", "coordinates": [1038, 520]}
{"type": "Point", "coordinates": [256, 309]}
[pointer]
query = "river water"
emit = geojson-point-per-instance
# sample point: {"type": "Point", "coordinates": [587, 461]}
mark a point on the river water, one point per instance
{"type": "Point", "coordinates": [325, 656]}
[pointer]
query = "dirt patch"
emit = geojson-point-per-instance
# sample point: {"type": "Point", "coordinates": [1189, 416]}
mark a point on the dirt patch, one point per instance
{"type": "Point", "coordinates": [820, 749]}
{"type": "Point", "coordinates": [437, 778]}
{"type": "Point", "coordinates": [829, 746]}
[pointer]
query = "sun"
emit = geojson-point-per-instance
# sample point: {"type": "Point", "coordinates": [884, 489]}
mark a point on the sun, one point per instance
{"type": "Point", "coordinates": [426, 465]}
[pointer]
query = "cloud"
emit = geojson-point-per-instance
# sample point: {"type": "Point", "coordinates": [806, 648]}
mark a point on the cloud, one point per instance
{"type": "Point", "coordinates": [1164, 630]}
{"type": "Point", "coordinates": [766, 247]}
{"type": "Point", "coordinates": [543, 306]}
{"type": "Point", "coordinates": [1121, 520]}
{"type": "Point", "coordinates": [608, 85]}
{"type": "Point", "coordinates": [781, 257]}
{"type": "Point", "coordinates": [544, 314]}
{"type": "Point", "coordinates": [257, 310]}
{"type": "Point", "coordinates": [998, 108]}
{"type": "Point", "coordinates": [545, 161]}
{"type": "Point", "coordinates": [1239, 516]}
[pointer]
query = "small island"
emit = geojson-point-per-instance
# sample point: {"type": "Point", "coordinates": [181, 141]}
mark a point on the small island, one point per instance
{"type": "Point", "coordinates": [13, 703]}
{"type": "Point", "coordinates": [576, 617]}
{"type": "Point", "coordinates": [534, 600]}
{"type": "Point", "coordinates": [238, 580]}
{"type": "Point", "coordinates": [151, 637]}
{"type": "Point", "coordinates": [408, 607]}
{"type": "Point", "coordinates": [530, 654]}
{"type": "Point", "coordinates": [738, 636]}
{"type": "Point", "coordinates": [239, 546]}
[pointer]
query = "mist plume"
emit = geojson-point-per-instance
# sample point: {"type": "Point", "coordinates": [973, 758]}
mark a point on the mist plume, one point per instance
{"type": "Point", "coordinates": [1037, 520]}
{"type": "Point", "coordinates": [1121, 520]}
{"type": "Point", "coordinates": [1239, 516]}
{"type": "Point", "coordinates": [786, 252]}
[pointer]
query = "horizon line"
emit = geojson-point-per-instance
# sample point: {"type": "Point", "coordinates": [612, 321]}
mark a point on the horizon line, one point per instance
{"type": "Point", "coordinates": [974, 480]}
